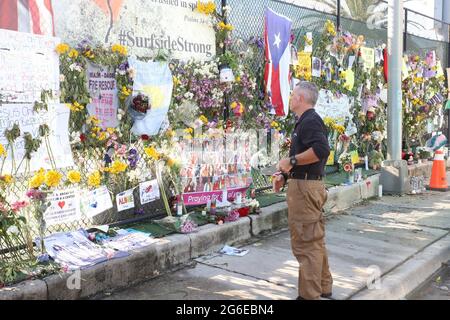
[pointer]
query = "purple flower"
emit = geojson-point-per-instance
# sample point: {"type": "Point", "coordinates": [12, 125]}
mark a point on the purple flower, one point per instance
{"type": "Point", "coordinates": [139, 212]}
{"type": "Point", "coordinates": [133, 158]}
{"type": "Point", "coordinates": [43, 258]}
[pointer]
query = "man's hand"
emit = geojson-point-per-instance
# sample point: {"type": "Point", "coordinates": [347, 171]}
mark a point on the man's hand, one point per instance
{"type": "Point", "coordinates": [277, 181]}
{"type": "Point", "coordinates": [285, 165]}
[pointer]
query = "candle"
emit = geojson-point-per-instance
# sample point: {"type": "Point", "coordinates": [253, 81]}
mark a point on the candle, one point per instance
{"type": "Point", "coordinates": [179, 209]}
{"type": "Point", "coordinates": [239, 198]}
{"type": "Point", "coordinates": [380, 191]}
{"type": "Point", "coordinates": [366, 161]}
{"type": "Point", "coordinates": [224, 195]}
{"type": "Point", "coordinates": [208, 205]}
{"type": "Point", "coordinates": [204, 213]}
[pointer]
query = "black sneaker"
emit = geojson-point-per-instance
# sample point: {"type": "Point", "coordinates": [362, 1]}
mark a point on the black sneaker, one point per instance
{"type": "Point", "coordinates": [326, 295]}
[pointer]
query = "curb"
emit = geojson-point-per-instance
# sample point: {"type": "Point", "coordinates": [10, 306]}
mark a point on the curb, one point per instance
{"type": "Point", "coordinates": [400, 282]}
{"type": "Point", "coordinates": [175, 250]}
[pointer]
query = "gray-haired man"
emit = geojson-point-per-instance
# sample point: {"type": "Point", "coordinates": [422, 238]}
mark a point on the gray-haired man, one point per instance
{"type": "Point", "coordinates": [306, 195]}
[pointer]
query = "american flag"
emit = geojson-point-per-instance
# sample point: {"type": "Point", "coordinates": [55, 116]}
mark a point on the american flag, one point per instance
{"type": "Point", "coordinates": [33, 16]}
{"type": "Point", "coordinates": [278, 57]}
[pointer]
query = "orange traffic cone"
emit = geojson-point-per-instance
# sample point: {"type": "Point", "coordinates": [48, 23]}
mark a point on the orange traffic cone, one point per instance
{"type": "Point", "coordinates": [438, 181]}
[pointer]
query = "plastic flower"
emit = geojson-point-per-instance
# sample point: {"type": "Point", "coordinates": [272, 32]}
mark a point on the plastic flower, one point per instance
{"type": "Point", "coordinates": [94, 179]}
{"type": "Point", "coordinates": [38, 179]}
{"type": "Point", "coordinates": [3, 153]}
{"type": "Point", "coordinates": [206, 8]}
{"type": "Point", "coordinates": [119, 49]}
{"type": "Point", "coordinates": [152, 153]}
{"type": "Point", "coordinates": [74, 176]}
{"type": "Point", "coordinates": [52, 178]}
{"type": "Point", "coordinates": [348, 167]}
{"type": "Point", "coordinates": [62, 48]}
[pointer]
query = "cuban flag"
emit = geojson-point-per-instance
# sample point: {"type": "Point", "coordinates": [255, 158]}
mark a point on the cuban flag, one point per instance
{"type": "Point", "coordinates": [32, 16]}
{"type": "Point", "coordinates": [277, 35]}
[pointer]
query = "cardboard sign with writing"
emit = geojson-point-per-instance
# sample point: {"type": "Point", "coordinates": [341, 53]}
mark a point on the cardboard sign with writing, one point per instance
{"type": "Point", "coordinates": [368, 58]}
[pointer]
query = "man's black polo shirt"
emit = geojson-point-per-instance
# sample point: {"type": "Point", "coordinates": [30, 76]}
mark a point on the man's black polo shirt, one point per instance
{"type": "Point", "coordinates": [310, 132]}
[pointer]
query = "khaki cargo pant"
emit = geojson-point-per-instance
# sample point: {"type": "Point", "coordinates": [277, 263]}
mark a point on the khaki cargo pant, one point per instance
{"type": "Point", "coordinates": [305, 199]}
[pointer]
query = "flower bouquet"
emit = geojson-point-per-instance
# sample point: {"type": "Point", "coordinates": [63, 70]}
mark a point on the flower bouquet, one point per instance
{"type": "Point", "coordinates": [345, 161]}
{"type": "Point", "coordinates": [139, 106]}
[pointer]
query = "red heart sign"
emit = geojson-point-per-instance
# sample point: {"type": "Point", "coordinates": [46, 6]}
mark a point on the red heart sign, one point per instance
{"type": "Point", "coordinates": [61, 204]}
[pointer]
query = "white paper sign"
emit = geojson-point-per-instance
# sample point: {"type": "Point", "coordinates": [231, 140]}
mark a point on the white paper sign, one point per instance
{"type": "Point", "coordinates": [141, 25]}
{"type": "Point", "coordinates": [103, 88]}
{"type": "Point", "coordinates": [96, 201]}
{"type": "Point", "coordinates": [336, 107]}
{"type": "Point", "coordinates": [64, 208]}
{"type": "Point", "coordinates": [57, 118]}
{"type": "Point", "coordinates": [125, 200]}
{"type": "Point", "coordinates": [28, 65]}
{"type": "Point", "coordinates": [149, 191]}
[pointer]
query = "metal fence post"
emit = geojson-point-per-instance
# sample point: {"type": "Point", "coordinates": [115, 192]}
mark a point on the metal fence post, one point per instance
{"type": "Point", "coordinates": [405, 33]}
{"type": "Point", "coordinates": [338, 14]}
{"type": "Point", "coordinates": [226, 111]}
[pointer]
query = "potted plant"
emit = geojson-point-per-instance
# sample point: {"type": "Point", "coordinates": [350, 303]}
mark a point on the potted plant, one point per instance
{"type": "Point", "coordinates": [423, 155]}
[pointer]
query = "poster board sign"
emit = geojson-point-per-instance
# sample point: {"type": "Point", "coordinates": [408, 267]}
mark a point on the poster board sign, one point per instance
{"type": "Point", "coordinates": [64, 207]}
{"type": "Point", "coordinates": [57, 118]}
{"type": "Point", "coordinates": [103, 89]}
{"type": "Point", "coordinates": [142, 26]}
{"type": "Point", "coordinates": [448, 82]}
{"type": "Point", "coordinates": [334, 106]}
{"type": "Point", "coordinates": [28, 64]}
{"type": "Point", "coordinates": [95, 202]}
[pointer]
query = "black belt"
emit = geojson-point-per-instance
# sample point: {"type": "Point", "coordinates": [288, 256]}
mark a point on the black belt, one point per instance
{"type": "Point", "coordinates": [304, 176]}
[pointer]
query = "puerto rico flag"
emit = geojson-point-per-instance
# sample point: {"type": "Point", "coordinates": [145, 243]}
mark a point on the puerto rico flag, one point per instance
{"type": "Point", "coordinates": [277, 36]}
{"type": "Point", "coordinates": [33, 16]}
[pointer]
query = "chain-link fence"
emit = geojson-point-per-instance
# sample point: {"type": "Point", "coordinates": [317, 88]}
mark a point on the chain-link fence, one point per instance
{"type": "Point", "coordinates": [423, 34]}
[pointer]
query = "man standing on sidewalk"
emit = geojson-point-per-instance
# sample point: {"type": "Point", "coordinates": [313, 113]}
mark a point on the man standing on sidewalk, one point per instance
{"type": "Point", "coordinates": [306, 194]}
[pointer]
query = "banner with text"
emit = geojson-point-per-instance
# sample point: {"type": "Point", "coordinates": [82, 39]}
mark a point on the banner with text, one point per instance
{"type": "Point", "coordinates": [143, 26]}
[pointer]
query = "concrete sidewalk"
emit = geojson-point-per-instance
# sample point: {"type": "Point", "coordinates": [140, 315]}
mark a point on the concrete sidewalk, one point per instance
{"type": "Point", "coordinates": [405, 239]}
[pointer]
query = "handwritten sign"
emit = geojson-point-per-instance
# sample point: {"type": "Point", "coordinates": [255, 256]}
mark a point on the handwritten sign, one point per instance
{"type": "Point", "coordinates": [57, 118]}
{"type": "Point", "coordinates": [28, 64]}
{"type": "Point", "coordinates": [125, 200]}
{"type": "Point", "coordinates": [64, 207]}
{"type": "Point", "coordinates": [334, 106]}
{"type": "Point", "coordinates": [368, 58]}
{"type": "Point", "coordinates": [103, 89]}
{"type": "Point", "coordinates": [95, 202]}
{"type": "Point", "coordinates": [149, 191]}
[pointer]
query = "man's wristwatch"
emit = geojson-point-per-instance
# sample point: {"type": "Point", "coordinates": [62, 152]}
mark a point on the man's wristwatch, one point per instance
{"type": "Point", "coordinates": [293, 161]}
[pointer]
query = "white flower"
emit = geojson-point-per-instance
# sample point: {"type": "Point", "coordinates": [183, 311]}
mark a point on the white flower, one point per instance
{"type": "Point", "coordinates": [62, 78]}
{"type": "Point", "coordinates": [119, 117]}
{"type": "Point", "coordinates": [13, 230]}
{"type": "Point", "coordinates": [122, 72]}
{"type": "Point", "coordinates": [250, 107]}
{"type": "Point", "coordinates": [131, 73]}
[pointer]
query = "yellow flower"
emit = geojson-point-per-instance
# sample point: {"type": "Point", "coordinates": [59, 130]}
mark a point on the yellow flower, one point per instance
{"type": "Point", "coordinates": [238, 79]}
{"type": "Point", "coordinates": [75, 106]}
{"type": "Point", "coordinates": [73, 53]}
{"type": "Point", "coordinates": [189, 130]}
{"type": "Point", "coordinates": [74, 176]}
{"type": "Point", "coordinates": [118, 167]}
{"type": "Point", "coordinates": [203, 119]}
{"type": "Point", "coordinates": [125, 91]}
{"type": "Point", "coordinates": [89, 54]}
{"type": "Point", "coordinates": [176, 81]}
{"type": "Point", "coordinates": [38, 179]}
{"type": "Point", "coordinates": [7, 178]}
{"type": "Point", "coordinates": [206, 8]}
{"type": "Point", "coordinates": [339, 128]}
{"type": "Point", "coordinates": [102, 136]}
{"type": "Point", "coordinates": [62, 48]}
{"type": "Point", "coordinates": [110, 130]}
{"type": "Point", "coordinates": [225, 26]}
{"type": "Point", "coordinates": [3, 152]}
{"type": "Point", "coordinates": [274, 124]}
{"type": "Point", "coordinates": [330, 28]}
{"type": "Point", "coordinates": [52, 178]}
{"type": "Point", "coordinates": [94, 179]}
{"type": "Point", "coordinates": [119, 49]}
{"type": "Point", "coordinates": [93, 120]}
{"type": "Point", "coordinates": [152, 153]}
{"type": "Point", "coordinates": [171, 162]}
